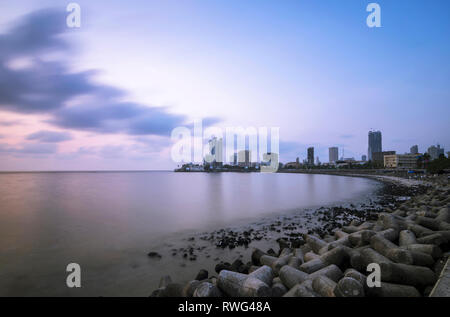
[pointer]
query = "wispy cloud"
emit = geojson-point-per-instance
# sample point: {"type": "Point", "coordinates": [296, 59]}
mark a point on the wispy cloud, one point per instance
{"type": "Point", "coordinates": [48, 87]}
{"type": "Point", "coordinates": [33, 148]}
{"type": "Point", "coordinates": [49, 136]}
{"type": "Point", "coordinates": [9, 123]}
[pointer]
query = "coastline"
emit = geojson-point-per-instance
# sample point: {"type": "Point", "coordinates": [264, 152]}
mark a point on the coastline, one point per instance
{"type": "Point", "coordinates": [290, 231]}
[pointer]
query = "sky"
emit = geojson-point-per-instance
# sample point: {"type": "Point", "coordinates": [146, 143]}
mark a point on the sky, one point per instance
{"type": "Point", "coordinates": [107, 95]}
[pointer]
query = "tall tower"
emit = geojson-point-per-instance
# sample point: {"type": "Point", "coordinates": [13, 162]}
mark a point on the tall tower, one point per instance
{"type": "Point", "coordinates": [374, 143]}
{"type": "Point", "coordinates": [333, 154]}
{"type": "Point", "coordinates": [311, 156]}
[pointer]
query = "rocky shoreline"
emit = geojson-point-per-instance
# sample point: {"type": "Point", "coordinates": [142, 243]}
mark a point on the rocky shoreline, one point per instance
{"type": "Point", "coordinates": [325, 252]}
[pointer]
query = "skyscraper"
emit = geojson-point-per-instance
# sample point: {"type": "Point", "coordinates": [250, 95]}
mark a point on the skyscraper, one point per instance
{"type": "Point", "coordinates": [374, 143]}
{"type": "Point", "coordinates": [414, 149]}
{"type": "Point", "coordinates": [333, 154]}
{"type": "Point", "coordinates": [311, 155]}
{"type": "Point", "coordinates": [244, 158]}
{"type": "Point", "coordinates": [435, 152]}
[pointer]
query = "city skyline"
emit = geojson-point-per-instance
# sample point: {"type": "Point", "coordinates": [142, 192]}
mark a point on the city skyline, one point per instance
{"type": "Point", "coordinates": [80, 99]}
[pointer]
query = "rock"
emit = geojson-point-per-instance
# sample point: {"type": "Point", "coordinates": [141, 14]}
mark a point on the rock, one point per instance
{"type": "Point", "coordinates": [237, 266]}
{"type": "Point", "coordinates": [361, 278]}
{"type": "Point", "coordinates": [315, 243]}
{"type": "Point", "coordinates": [222, 266]}
{"type": "Point", "coordinates": [349, 287]}
{"type": "Point", "coordinates": [206, 289]}
{"type": "Point", "coordinates": [154, 255]}
{"type": "Point", "coordinates": [394, 290]}
{"type": "Point", "coordinates": [390, 250]}
{"type": "Point", "coordinates": [333, 272]}
{"type": "Point", "coordinates": [172, 290]}
{"type": "Point", "coordinates": [271, 252]}
{"type": "Point", "coordinates": [406, 237]}
{"type": "Point", "coordinates": [256, 256]}
{"type": "Point", "coordinates": [430, 249]}
{"type": "Point", "coordinates": [407, 274]}
{"type": "Point", "coordinates": [202, 275]}
{"type": "Point", "coordinates": [313, 266]}
{"type": "Point", "coordinates": [283, 244]}
{"type": "Point", "coordinates": [278, 290]}
{"type": "Point", "coordinates": [290, 276]}
{"type": "Point", "coordinates": [436, 239]}
{"type": "Point", "coordinates": [264, 273]}
{"type": "Point", "coordinates": [323, 286]}
{"type": "Point", "coordinates": [157, 292]}
{"type": "Point", "coordinates": [241, 285]}
{"type": "Point", "coordinates": [190, 287]}
{"type": "Point", "coordinates": [164, 281]}
{"type": "Point", "coordinates": [302, 290]}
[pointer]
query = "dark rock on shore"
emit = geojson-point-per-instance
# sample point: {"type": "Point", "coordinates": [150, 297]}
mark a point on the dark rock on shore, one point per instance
{"type": "Point", "coordinates": [154, 255]}
{"type": "Point", "coordinates": [202, 275]}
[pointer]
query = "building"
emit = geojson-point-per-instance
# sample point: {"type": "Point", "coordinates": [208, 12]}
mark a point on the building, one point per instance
{"type": "Point", "coordinates": [234, 159]}
{"type": "Point", "coordinates": [244, 158]}
{"type": "Point", "coordinates": [310, 156]}
{"type": "Point", "coordinates": [215, 155]}
{"type": "Point", "coordinates": [293, 165]}
{"type": "Point", "coordinates": [378, 157]}
{"type": "Point", "coordinates": [333, 154]}
{"type": "Point", "coordinates": [364, 158]}
{"type": "Point", "coordinates": [401, 161]}
{"type": "Point", "coordinates": [414, 149]}
{"type": "Point", "coordinates": [435, 151]}
{"type": "Point", "coordinates": [374, 143]}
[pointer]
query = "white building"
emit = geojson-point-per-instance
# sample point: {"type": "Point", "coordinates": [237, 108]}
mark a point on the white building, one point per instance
{"type": "Point", "coordinates": [333, 154]}
{"type": "Point", "coordinates": [401, 161]}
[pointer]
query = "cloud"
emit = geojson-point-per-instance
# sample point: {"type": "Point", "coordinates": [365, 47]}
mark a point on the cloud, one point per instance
{"type": "Point", "coordinates": [50, 136]}
{"type": "Point", "coordinates": [41, 86]}
{"type": "Point", "coordinates": [129, 118]}
{"type": "Point", "coordinates": [9, 123]}
{"type": "Point", "coordinates": [36, 148]}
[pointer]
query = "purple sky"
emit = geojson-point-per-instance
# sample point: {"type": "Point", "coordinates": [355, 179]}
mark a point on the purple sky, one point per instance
{"type": "Point", "coordinates": [107, 95]}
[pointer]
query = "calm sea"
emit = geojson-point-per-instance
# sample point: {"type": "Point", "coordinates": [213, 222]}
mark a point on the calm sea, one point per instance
{"type": "Point", "coordinates": [108, 221]}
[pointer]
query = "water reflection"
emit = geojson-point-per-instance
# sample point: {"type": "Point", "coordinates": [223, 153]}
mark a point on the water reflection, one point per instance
{"type": "Point", "coordinates": [49, 219]}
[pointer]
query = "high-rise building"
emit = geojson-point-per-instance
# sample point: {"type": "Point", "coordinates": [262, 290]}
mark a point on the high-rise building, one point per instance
{"type": "Point", "coordinates": [234, 159]}
{"type": "Point", "coordinates": [244, 158]}
{"type": "Point", "coordinates": [374, 143]}
{"type": "Point", "coordinates": [364, 158]}
{"type": "Point", "coordinates": [215, 155]}
{"type": "Point", "coordinates": [414, 149]}
{"type": "Point", "coordinates": [333, 154]}
{"type": "Point", "coordinates": [311, 155]}
{"type": "Point", "coordinates": [435, 151]}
